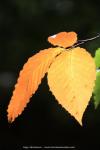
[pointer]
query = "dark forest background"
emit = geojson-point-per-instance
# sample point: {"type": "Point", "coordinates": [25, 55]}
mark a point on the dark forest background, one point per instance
{"type": "Point", "coordinates": [24, 28]}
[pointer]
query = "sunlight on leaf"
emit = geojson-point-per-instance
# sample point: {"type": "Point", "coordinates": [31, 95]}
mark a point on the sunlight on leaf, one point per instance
{"type": "Point", "coordinates": [29, 79]}
{"type": "Point", "coordinates": [71, 79]}
{"type": "Point", "coordinates": [71, 76]}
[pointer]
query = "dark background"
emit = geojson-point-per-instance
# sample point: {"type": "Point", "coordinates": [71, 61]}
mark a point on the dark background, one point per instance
{"type": "Point", "coordinates": [24, 28]}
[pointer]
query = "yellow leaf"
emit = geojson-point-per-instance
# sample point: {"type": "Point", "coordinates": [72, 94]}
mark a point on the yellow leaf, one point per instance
{"type": "Point", "coordinates": [71, 79]}
{"type": "Point", "coordinates": [29, 79]}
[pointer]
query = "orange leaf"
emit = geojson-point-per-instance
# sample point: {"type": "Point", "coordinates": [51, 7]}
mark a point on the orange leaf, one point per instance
{"type": "Point", "coordinates": [63, 39]}
{"type": "Point", "coordinates": [71, 79]}
{"type": "Point", "coordinates": [29, 79]}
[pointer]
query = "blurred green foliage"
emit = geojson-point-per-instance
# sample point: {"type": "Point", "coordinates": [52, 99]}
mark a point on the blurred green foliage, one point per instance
{"type": "Point", "coordinates": [96, 91]}
{"type": "Point", "coordinates": [97, 58]}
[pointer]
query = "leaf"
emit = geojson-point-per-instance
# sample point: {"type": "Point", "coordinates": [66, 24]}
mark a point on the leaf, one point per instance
{"type": "Point", "coordinates": [29, 79]}
{"type": "Point", "coordinates": [71, 79]}
{"type": "Point", "coordinates": [97, 58]}
{"type": "Point", "coordinates": [63, 39]}
{"type": "Point", "coordinates": [97, 90]}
